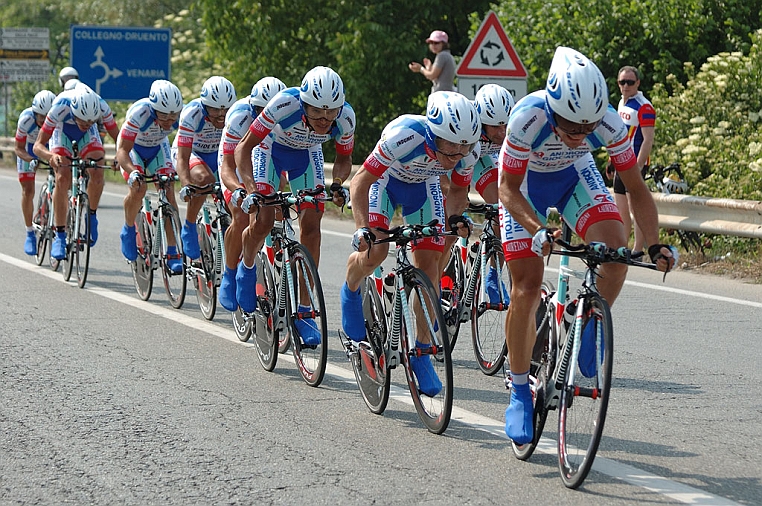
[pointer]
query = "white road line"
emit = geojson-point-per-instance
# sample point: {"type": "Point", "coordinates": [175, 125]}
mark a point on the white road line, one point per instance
{"type": "Point", "coordinates": [630, 474]}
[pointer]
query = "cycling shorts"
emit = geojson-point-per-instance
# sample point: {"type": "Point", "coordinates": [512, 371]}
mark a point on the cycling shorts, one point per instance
{"type": "Point", "coordinates": [89, 141]}
{"type": "Point", "coordinates": [26, 173]}
{"type": "Point", "coordinates": [303, 167]}
{"type": "Point", "coordinates": [151, 161]}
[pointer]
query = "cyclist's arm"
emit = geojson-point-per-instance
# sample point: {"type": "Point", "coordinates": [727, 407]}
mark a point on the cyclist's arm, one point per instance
{"type": "Point", "coordinates": [243, 151]}
{"type": "Point", "coordinates": [359, 188]}
{"type": "Point", "coordinates": [645, 147]}
{"type": "Point", "coordinates": [342, 167]}
{"type": "Point", "coordinates": [113, 131]}
{"type": "Point", "coordinates": [456, 202]}
{"type": "Point", "coordinates": [228, 175]}
{"type": "Point", "coordinates": [182, 167]}
{"type": "Point", "coordinates": [19, 147]}
{"type": "Point", "coordinates": [123, 148]}
{"type": "Point", "coordinates": [43, 153]}
{"type": "Point", "coordinates": [642, 205]}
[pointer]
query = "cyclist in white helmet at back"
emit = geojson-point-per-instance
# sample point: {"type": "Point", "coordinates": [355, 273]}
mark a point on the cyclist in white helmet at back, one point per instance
{"type": "Point", "coordinates": [73, 117]}
{"type": "Point", "coordinates": [546, 161]}
{"type": "Point", "coordinates": [237, 123]}
{"type": "Point", "coordinates": [30, 121]}
{"type": "Point", "coordinates": [404, 169]}
{"type": "Point", "coordinates": [194, 150]}
{"type": "Point", "coordinates": [67, 74]}
{"type": "Point", "coordinates": [143, 149]}
{"type": "Point", "coordinates": [291, 131]}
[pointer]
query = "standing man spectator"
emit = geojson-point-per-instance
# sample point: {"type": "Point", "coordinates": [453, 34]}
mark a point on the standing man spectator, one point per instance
{"type": "Point", "coordinates": [639, 116]}
{"type": "Point", "coordinates": [442, 72]}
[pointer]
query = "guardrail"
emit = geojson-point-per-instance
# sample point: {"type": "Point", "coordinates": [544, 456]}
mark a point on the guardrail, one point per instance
{"type": "Point", "coordinates": [742, 218]}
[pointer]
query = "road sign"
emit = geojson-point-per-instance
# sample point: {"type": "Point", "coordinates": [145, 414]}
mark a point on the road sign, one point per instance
{"type": "Point", "coordinates": [120, 63]}
{"type": "Point", "coordinates": [490, 53]}
{"type": "Point", "coordinates": [24, 70]}
{"type": "Point", "coordinates": [468, 86]}
{"type": "Point", "coordinates": [24, 38]}
{"type": "Point", "coordinates": [24, 54]}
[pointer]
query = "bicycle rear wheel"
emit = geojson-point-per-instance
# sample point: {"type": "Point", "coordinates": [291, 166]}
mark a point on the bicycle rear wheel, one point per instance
{"type": "Point", "coordinates": [241, 325]}
{"type": "Point", "coordinates": [206, 291]}
{"type": "Point", "coordinates": [68, 260]}
{"type": "Point", "coordinates": [489, 309]}
{"type": "Point", "coordinates": [583, 404]}
{"type": "Point", "coordinates": [452, 292]}
{"type": "Point", "coordinates": [264, 322]}
{"type": "Point", "coordinates": [426, 323]}
{"type": "Point", "coordinates": [142, 269]}
{"type": "Point", "coordinates": [174, 282]}
{"type": "Point", "coordinates": [369, 361]}
{"type": "Point", "coordinates": [310, 351]}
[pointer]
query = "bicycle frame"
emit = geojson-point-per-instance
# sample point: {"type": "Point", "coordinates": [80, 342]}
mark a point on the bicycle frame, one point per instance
{"type": "Point", "coordinates": [154, 217]}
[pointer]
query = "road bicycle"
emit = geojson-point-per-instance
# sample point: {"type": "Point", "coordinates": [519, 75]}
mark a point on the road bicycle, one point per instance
{"type": "Point", "coordinates": [466, 297]}
{"type": "Point", "coordinates": [394, 330]}
{"type": "Point", "coordinates": [156, 228]}
{"type": "Point", "coordinates": [286, 277]}
{"type": "Point", "coordinates": [560, 378]}
{"type": "Point", "coordinates": [78, 217]}
{"type": "Point", "coordinates": [206, 272]}
{"type": "Point", "coordinates": [670, 180]}
{"type": "Point", "coordinates": [42, 220]}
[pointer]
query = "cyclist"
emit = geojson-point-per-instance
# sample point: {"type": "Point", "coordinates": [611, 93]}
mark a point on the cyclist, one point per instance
{"type": "Point", "coordinates": [290, 133]}
{"type": "Point", "coordinates": [30, 121]}
{"type": "Point", "coordinates": [194, 150]}
{"type": "Point", "coordinates": [546, 161]}
{"type": "Point", "coordinates": [72, 118]}
{"type": "Point", "coordinates": [67, 74]}
{"type": "Point", "coordinates": [404, 169]}
{"type": "Point", "coordinates": [237, 122]}
{"type": "Point", "coordinates": [143, 149]}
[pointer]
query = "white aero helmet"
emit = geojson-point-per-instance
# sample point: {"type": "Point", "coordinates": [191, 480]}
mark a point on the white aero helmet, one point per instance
{"type": "Point", "coordinates": [42, 102]}
{"type": "Point", "coordinates": [85, 104]}
{"type": "Point", "coordinates": [452, 117]}
{"type": "Point", "coordinates": [165, 97]}
{"type": "Point", "coordinates": [494, 104]}
{"type": "Point", "coordinates": [67, 72]}
{"type": "Point", "coordinates": [322, 88]}
{"type": "Point", "coordinates": [576, 89]}
{"type": "Point", "coordinates": [265, 89]}
{"type": "Point", "coordinates": [218, 92]}
{"type": "Point", "coordinates": [71, 84]}
{"type": "Point", "coordinates": [673, 184]}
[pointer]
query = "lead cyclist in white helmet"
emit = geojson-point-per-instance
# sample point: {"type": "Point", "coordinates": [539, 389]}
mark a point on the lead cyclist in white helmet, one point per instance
{"type": "Point", "coordinates": [73, 117]}
{"type": "Point", "coordinates": [143, 150]}
{"type": "Point", "coordinates": [404, 169]}
{"type": "Point", "coordinates": [291, 130]}
{"type": "Point", "coordinates": [546, 161]}
{"type": "Point", "coordinates": [237, 123]}
{"type": "Point", "coordinates": [194, 150]}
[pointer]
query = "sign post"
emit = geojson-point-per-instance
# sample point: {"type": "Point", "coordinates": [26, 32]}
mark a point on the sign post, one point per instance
{"type": "Point", "coordinates": [120, 63]}
{"type": "Point", "coordinates": [491, 58]}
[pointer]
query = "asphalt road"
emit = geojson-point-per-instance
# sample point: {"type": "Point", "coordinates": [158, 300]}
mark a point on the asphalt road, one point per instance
{"type": "Point", "coordinates": [106, 399]}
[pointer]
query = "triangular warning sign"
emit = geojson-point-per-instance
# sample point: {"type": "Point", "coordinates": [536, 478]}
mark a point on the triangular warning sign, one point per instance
{"type": "Point", "coordinates": [490, 53]}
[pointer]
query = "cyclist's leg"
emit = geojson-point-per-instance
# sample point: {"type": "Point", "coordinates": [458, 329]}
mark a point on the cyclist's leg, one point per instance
{"type": "Point", "coordinates": [91, 148]}
{"type": "Point", "coordinates": [201, 174]}
{"type": "Point", "coordinates": [60, 144]}
{"type": "Point", "coordinates": [26, 180]}
{"type": "Point", "coordinates": [132, 204]}
{"type": "Point", "coordinates": [233, 250]}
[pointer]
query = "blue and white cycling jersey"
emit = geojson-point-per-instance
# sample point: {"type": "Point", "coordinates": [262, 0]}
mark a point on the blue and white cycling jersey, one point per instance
{"type": "Point", "coordinates": [27, 130]}
{"type": "Point", "coordinates": [141, 127]}
{"type": "Point", "coordinates": [60, 117]}
{"type": "Point", "coordinates": [196, 131]}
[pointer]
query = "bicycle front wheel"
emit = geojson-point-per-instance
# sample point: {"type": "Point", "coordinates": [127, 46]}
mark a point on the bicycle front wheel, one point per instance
{"type": "Point", "coordinates": [489, 309]}
{"type": "Point", "coordinates": [308, 325]}
{"type": "Point", "coordinates": [424, 338]}
{"type": "Point", "coordinates": [369, 361]}
{"type": "Point", "coordinates": [452, 292]}
{"type": "Point", "coordinates": [206, 291]}
{"type": "Point", "coordinates": [265, 331]}
{"type": "Point", "coordinates": [583, 403]}
{"type": "Point", "coordinates": [142, 269]}
{"type": "Point", "coordinates": [41, 224]}
{"type": "Point", "coordinates": [175, 281]}
{"type": "Point", "coordinates": [68, 260]}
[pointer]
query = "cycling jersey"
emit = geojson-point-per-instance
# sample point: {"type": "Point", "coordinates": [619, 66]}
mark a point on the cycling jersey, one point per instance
{"type": "Point", "coordinates": [557, 175]}
{"type": "Point", "coordinates": [26, 133]}
{"type": "Point", "coordinates": [62, 127]}
{"type": "Point", "coordinates": [485, 170]}
{"type": "Point", "coordinates": [636, 112]}
{"type": "Point", "coordinates": [408, 171]}
{"type": "Point", "coordinates": [142, 128]}
{"type": "Point", "coordinates": [199, 134]}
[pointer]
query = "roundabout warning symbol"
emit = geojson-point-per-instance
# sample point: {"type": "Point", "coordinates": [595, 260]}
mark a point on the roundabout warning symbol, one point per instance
{"type": "Point", "coordinates": [490, 53]}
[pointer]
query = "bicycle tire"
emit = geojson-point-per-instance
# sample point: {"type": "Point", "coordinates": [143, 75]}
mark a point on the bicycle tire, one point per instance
{"type": "Point", "coordinates": [488, 316]}
{"type": "Point", "coordinates": [583, 405]}
{"type": "Point", "coordinates": [175, 284]}
{"type": "Point", "coordinates": [241, 325]}
{"type": "Point", "coordinates": [542, 367]}
{"type": "Point", "coordinates": [82, 245]}
{"type": "Point", "coordinates": [264, 323]}
{"type": "Point", "coordinates": [41, 219]}
{"type": "Point", "coordinates": [68, 259]}
{"type": "Point", "coordinates": [434, 411]}
{"type": "Point", "coordinates": [453, 286]}
{"type": "Point", "coordinates": [142, 268]}
{"type": "Point", "coordinates": [369, 362]}
{"type": "Point", "coordinates": [204, 279]}
{"type": "Point", "coordinates": [310, 359]}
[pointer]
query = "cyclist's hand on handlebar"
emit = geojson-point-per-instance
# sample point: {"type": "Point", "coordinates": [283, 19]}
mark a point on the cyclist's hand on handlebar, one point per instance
{"type": "Point", "coordinates": [339, 194]}
{"type": "Point", "coordinates": [461, 224]}
{"type": "Point", "coordinates": [135, 179]}
{"type": "Point", "coordinates": [186, 192]}
{"type": "Point", "coordinates": [664, 256]}
{"type": "Point", "coordinates": [237, 197]}
{"type": "Point", "coordinates": [363, 239]}
{"type": "Point", "coordinates": [33, 164]}
{"type": "Point", "coordinates": [250, 203]}
{"type": "Point", "coordinates": [542, 241]}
